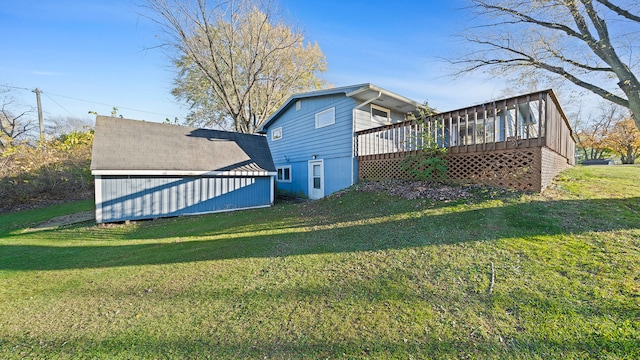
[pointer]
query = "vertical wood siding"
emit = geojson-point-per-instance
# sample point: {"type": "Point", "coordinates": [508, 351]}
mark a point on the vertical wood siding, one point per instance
{"type": "Point", "coordinates": [145, 197]}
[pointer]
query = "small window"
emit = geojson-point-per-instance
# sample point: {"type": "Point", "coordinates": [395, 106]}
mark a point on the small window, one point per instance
{"type": "Point", "coordinates": [284, 174]}
{"type": "Point", "coordinates": [380, 115]}
{"type": "Point", "coordinates": [276, 134]}
{"type": "Point", "coordinates": [297, 105]}
{"type": "Point", "coordinates": [326, 118]}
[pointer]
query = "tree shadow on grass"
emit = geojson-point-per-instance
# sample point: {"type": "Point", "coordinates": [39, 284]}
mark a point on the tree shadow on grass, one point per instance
{"type": "Point", "coordinates": [365, 230]}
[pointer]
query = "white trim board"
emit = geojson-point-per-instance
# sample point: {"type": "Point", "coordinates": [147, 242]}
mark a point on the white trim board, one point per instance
{"type": "Point", "coordinates": [181, 173]}
{"type": "Point", "coordinates": [98, 200]}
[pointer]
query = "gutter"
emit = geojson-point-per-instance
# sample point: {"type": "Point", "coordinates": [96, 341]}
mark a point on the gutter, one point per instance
{"type": "Point", "coordinates": [386, 92]}
{"type": "Point", "coordinates": [353, 132]}
{"type": "Point", "coordinates": [180, 173]}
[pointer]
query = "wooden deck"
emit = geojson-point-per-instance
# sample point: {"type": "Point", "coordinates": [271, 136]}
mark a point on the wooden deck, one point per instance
{"type": "Point", "coordinates": [515, 142]}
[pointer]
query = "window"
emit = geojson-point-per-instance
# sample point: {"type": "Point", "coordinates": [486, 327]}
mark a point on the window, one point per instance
{"type": "Point", "coordinates": [326, 118]}
{"type": "Point", "coordinates": [297, 105]}
{"type": "Point", "coordinates": [276, 134]}
{"type": "Point", "coordinates": [380, 115]}
{"type": "Point", "coordinates": [284, 174]}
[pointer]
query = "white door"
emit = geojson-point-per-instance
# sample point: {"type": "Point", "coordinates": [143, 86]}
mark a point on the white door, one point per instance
{"type": "Point", "coordinates": [316, 179]}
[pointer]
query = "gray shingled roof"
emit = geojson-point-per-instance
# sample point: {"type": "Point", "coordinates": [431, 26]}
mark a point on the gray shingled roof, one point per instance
{"type": "Point", "coordinates": [123, 144]}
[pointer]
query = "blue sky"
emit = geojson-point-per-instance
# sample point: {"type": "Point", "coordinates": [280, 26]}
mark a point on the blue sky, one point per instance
{"type": "Point", "coordinates": [93, 55]}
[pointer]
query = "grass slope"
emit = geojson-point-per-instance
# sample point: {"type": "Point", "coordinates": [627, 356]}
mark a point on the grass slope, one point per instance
{"type": "Point", "coordinates": [362, 275]}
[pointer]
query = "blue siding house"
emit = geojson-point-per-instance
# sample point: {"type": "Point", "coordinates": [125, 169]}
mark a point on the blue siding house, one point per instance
{"type": "Point", "coordinates": [146, 170]}
{"type": "Point", "coordinates": [312, 135]}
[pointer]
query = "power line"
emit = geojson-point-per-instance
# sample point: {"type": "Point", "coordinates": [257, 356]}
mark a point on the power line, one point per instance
{"type": "Point", "coordinates": [87, 101]}
{"type": "Point", "coordinates": [15, 87]}
{"type": "Point", "coordinates": [55, 102]}
{"type": "Point", "coordinates": [104, 104]}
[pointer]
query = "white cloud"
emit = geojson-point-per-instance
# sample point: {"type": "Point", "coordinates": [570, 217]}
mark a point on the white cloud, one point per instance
{"type": "Point", "coordinates": [47, 73]}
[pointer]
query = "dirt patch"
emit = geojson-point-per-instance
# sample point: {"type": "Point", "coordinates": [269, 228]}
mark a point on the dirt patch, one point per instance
{"type": "Point", "coordinates": [40, 202]}
{"type": "Point", "coordinates": [432, 191]}
{"type": "Point", "coordinates": [64, 220]}
{"type": "Point", "coordinates": [418, 190]}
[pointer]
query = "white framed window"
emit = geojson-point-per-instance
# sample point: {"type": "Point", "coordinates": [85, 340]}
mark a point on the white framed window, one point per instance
{"type": "Point", "coordinates": [298, 105]}
{"type": "Point", "coordinates": [380, 115]}
{"type": "Point", "coordinates": [276, 134]}
{"type": "Point", "coordinates": [326, 118]}
{"type": "Point", "coordinates": [284, 174]}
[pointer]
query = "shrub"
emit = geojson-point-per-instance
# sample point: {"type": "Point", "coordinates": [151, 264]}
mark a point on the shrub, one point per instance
{"type": "Point", "coordinates": [56, 169]}
{"type": "Point", "coordinates": [430, 162]}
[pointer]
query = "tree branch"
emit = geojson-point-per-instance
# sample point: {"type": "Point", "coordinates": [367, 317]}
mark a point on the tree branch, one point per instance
{"type": "Point", "coordinates": [577, 64]}
{"type": "Point", "coordinates": [619, 11]}
{"type": "Point", "coordinates": [523, 59]}
{"type": "Point", "coordinates": [528, 19]}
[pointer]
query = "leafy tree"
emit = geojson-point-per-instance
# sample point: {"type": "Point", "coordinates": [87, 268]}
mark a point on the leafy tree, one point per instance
{"type": "Point", "coordinates": [591, 137]}
{"type": "Point", "coordinates": [592, 143]}
{"type": "Point", "coordinates": [624, 140]}
{"type": "Point", "coordinates": [237, 63]}
{"type": "Point", "coordinates": [590, 43]}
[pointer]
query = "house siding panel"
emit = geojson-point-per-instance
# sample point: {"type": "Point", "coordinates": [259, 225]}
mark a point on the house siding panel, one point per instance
{"type": "Point", "coordinates": [146, 197]}
{"type": "Point", "coordinates": [301, 141]}
{"type": "Point", "coordinates": [337, 178]}
{"type": "Point", "coordinates": [364, 121]}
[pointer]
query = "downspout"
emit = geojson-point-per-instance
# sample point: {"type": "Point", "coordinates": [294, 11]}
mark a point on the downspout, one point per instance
{"type": "Point", "coordinates": [353, 137]}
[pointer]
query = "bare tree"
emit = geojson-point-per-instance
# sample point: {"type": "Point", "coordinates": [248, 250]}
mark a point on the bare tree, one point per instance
{"type": "Point", "coordinates": [236, 60]}
{"type": "Point", "coordinates": [59, 125]}
{"type": "Point", "coordinates": [590, 43]}
{"type": "Point", "coordinates": [14, 124]}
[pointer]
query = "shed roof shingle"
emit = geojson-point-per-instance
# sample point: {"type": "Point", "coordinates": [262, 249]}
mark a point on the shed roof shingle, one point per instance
{"type": "Point", "coordinates": [123, 144]}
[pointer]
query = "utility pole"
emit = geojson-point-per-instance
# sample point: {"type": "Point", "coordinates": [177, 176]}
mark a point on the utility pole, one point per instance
{"type": "Point", "coordinates": [40, 120]}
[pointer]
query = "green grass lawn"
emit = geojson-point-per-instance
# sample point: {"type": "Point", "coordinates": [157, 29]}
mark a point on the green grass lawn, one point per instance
{"type": "Point", "coordinates": [361, 275]}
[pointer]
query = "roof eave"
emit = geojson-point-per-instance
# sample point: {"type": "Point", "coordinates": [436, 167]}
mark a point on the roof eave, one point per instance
{"type": "Point", "coordinates": [180, 173]}
{"type": "Point", "coordinates": [286, 104]}
{"type": "Point", "coordinates": [404, 99]}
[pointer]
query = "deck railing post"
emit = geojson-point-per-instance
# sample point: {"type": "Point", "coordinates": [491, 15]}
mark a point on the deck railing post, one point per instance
{"type": "Point", "coordinates": [484, 127]}
{"type": "Point", "coordinates": [460, 143]}
{"type": "Point", "coordinates": [504, 123]}
{"type": "Point", "coordinates": [450, 131]}
{"type": "Point", "coordinates": [443, 132]}
{"type": "Point", "coordinates": [474, 136]}
{"type": "Point", "coordinates": [495, 119]}
{"type": "Point", "coordinates": [540, 119]}
{"type": "Point", "coordinates": [466, 126]}
{"type": "Point", "coordinates": [548, 120]}
{"type": "Point", "coordinates": [515, 121]}
{"type": "Point", "coordinates": [528, 121]}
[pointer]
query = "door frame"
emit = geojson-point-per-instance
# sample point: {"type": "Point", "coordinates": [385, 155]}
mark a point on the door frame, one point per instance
{"type": "Point", "coordinates": [311, 190]}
